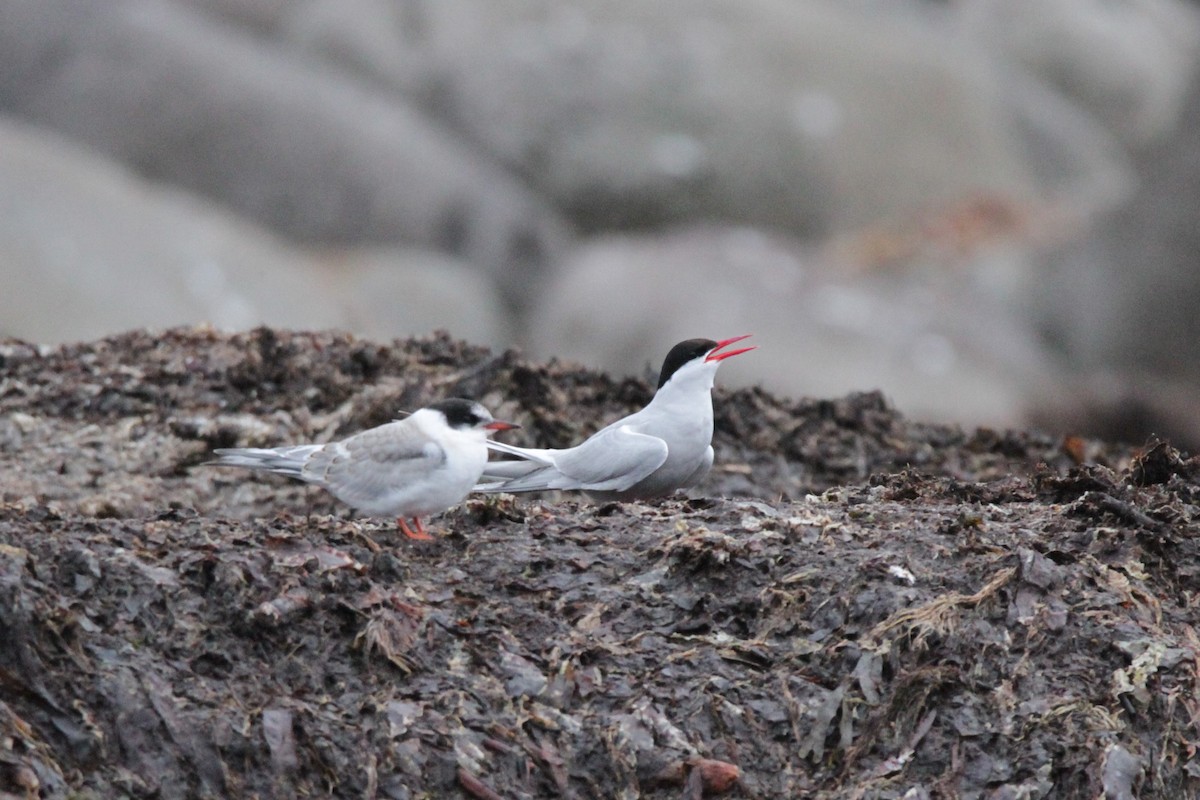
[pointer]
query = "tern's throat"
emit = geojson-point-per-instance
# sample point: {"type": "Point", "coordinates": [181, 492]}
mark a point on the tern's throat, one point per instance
{"type": "Point", "coordinates": [688, 392]}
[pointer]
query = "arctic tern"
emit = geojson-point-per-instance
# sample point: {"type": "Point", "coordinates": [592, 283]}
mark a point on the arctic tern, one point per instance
{"type": "Point", "coordinates": [664, 447]}
{"type": "Point", "coordinates": [407, 469]}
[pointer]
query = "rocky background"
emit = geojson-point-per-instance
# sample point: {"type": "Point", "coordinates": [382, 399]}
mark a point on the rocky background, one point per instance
{"type": "Point", "coordinates": [985, 208]}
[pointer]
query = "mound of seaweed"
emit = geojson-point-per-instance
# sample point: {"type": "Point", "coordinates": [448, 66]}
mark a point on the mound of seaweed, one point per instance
{"type": "Point", "coordinates": [853, 604]}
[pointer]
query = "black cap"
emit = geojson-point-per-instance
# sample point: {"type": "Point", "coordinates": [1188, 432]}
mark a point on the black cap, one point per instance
{"type": "Point", "coordinates": [681, 354]}
{"type": "Point", "coordinates": [460, 413]}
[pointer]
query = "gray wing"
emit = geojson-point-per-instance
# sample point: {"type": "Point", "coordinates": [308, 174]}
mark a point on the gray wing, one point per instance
{"type": "Point", "coordinates": [612, 460]}
{"type": "Point", "coordinates": [367, 466]}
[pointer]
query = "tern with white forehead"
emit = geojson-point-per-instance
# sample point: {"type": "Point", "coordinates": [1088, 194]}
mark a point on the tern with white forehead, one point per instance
{"type": "Point", "coordinates": [662, 448]}
{"type": "Point", "coordinates": [407, 469]}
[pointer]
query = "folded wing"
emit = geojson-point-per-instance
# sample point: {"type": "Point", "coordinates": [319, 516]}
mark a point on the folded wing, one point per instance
{"type": "Point", "coordinates": [368, 466]}
{"type": "Point", "coordinates": [612, 460]}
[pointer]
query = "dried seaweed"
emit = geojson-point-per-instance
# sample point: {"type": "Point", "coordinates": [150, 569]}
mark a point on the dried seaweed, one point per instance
{"type": "Point", "coordinates": [854, 605]}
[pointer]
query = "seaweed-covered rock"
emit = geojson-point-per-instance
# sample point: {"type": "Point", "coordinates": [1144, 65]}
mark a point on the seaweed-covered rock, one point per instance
{"type": "Point", "coordinates": [852, 605]}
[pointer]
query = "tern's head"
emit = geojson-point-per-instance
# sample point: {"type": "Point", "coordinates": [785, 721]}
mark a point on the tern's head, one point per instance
{"type": "Point", "coordinates": [698, 356]}
{"type": "Point", "coordinates": [467, 415]}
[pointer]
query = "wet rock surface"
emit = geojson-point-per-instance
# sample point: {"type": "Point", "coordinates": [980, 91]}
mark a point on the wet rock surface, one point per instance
{"type": "Point", "coordinates": [852, 605]}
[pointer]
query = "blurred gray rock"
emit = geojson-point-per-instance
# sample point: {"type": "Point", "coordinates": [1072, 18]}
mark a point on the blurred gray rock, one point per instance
{"type": "Point", "coordinates": [260, 16]}
{"type": "Point", "coordinates": [385, 132]}
{"type": "Point", "coordinates": [386, 292]}
{"type": "Point", "coordinates": [809, 117]}
{"type": "Point", "coordinates": [936, 341]}
{"type": "Point", "coordinates": [290, 142]}
{"type": "Point", "coordinates": [1122, 303]}
{"type": "Point", "coordinates": [1128, 63]}
{"type": "Point", "coordinates": [87, 249]}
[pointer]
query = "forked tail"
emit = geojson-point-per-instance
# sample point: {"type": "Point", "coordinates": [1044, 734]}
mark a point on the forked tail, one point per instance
{"type": "Point", "coordinates": [497, 473]}
{"type": "Point", "coordinates": [281, 460]}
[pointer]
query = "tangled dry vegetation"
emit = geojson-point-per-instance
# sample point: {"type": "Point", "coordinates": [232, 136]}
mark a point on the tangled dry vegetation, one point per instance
{"type": "Point", "coordinates": [854, 605]}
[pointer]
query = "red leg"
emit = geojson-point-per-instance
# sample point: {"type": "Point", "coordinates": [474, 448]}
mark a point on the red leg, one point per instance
{"type": "Point", "coordinates": [419, 534]}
